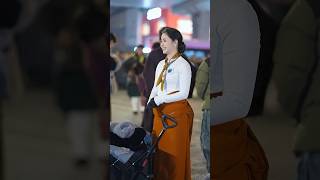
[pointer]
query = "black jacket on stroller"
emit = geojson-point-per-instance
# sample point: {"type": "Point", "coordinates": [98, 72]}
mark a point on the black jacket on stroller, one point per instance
{"type": "Point", "coordinates": [131, 157]}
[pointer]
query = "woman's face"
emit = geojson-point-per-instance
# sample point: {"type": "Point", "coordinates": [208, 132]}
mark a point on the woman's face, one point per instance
{"type": "Point", "coordinates": [167, 45]}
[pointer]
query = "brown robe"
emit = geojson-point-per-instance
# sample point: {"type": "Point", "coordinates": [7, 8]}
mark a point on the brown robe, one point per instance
{"type": "Point", "coordinates": [236, 153]}
{"type": "Point", "coordinates": [172, 160]}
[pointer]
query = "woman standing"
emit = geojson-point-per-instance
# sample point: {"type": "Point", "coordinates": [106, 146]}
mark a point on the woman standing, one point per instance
{"type": "Point", "coordinates": [235, 151]}
{"type": "Point", "coordinates": [168, 96]}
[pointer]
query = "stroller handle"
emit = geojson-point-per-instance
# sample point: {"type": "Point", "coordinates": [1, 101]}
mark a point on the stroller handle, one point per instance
{"type": "Point", "coordinates": [165, 124]}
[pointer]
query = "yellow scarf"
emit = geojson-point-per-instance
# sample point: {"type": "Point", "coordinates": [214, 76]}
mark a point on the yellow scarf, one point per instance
{"type": "Point", "coordinates": [162, 75]}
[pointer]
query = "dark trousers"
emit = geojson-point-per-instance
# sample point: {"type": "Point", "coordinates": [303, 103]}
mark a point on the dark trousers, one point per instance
{"type": "Point", "coordinates": [309, 166]}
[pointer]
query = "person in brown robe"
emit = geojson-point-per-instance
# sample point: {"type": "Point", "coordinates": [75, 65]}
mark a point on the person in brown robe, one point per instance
{"type": "Point", "coordinates": [235, 151]}
{"type": "Point", "coordinates": [169, 96]}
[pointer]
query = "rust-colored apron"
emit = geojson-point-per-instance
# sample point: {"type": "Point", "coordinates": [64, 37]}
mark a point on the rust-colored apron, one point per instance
{"type": "Point", "coordinates": [172, 160]}
{"type": "Point", "coordinates": [236, 153]}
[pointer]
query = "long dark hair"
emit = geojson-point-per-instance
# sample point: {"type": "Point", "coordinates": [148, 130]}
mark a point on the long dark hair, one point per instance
{"type": "Point", "coordinates": [174, 34]}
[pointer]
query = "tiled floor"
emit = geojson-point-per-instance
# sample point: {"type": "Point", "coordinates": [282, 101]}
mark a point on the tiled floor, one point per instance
{"type": "Point", "coordinates": [36, 142]}
{"type": "Point", "coordinates": [37, 147]}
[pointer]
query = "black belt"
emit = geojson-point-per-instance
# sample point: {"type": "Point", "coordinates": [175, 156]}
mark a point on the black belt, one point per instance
{"type": "Point", "coordinates": [214, 95]}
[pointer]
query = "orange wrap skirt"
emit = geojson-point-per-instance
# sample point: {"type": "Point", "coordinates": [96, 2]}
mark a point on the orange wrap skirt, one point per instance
{"type": "Point", "coordinates": [172, 159]}
{"type": "Point", "coordinates": [236, 153]}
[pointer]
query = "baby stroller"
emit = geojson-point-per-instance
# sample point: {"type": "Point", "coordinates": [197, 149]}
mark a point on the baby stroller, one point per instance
{"type": "Point", "coordinates": [125, 164]}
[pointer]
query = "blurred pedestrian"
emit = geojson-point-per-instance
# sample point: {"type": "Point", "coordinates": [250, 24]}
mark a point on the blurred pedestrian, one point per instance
{"type": "Point", "coordinates": [113, 64]}
{"type": "Point", "coordinates": [75, 96]}
{"type": "Point", "coordinates": [139, 54]}
{"type": "Point", "coordinates": [203, 91]}
{"type": "Point", "coordinates": [133, 90]}
{"type": "Point", "coordinates": [297, 79]}
{"type": "Point", "coordinates": [155, 56]}
{"type": "Point", "coordinates": [94, 39]}
{"type": "Point", "coordinates": [9, 14]}
{"type": "Point", "coordinates": [155, 46]}
{"type": "Point", "coordinates": [121, 73]}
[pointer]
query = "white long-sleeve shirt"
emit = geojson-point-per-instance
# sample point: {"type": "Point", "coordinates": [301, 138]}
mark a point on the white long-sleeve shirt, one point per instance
{"type": "Point", "coordinates": [235, 57]}
{"type": "Point", "coordinates": [178, 78]}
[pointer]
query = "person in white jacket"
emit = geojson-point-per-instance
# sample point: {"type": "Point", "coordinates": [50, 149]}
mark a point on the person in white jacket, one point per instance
{"type": "Point", "coordinates": [235, 54]}
{"type": "Point", "coordinates": [169, 96]}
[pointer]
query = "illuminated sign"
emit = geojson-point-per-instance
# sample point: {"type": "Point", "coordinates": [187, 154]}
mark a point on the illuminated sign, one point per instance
{"type": "Point", "coordinates": [154, 13]}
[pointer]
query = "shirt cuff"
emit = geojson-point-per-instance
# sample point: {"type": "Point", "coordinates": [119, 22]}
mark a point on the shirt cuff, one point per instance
{"type": "Point", "coordinates": [158, 100]}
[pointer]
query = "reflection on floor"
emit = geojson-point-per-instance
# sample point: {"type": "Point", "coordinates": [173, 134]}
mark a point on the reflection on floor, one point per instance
{"type": "Point", "coordinates": [36, 142]}
{"type": "Point", "coordinates": [37, 147]}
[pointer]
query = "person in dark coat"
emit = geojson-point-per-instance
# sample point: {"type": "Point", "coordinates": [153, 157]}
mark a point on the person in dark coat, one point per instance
{"type": "Point", "coordinates": [296, 76]}
{"type": "Point", "coordinates": [75, 96]}
{"type": "Point", "coordinates": [139, 54]}
{"type": "Point", "coordinates": [134, 91]}
{"type": "Point", "coordinates": [154, 58]}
